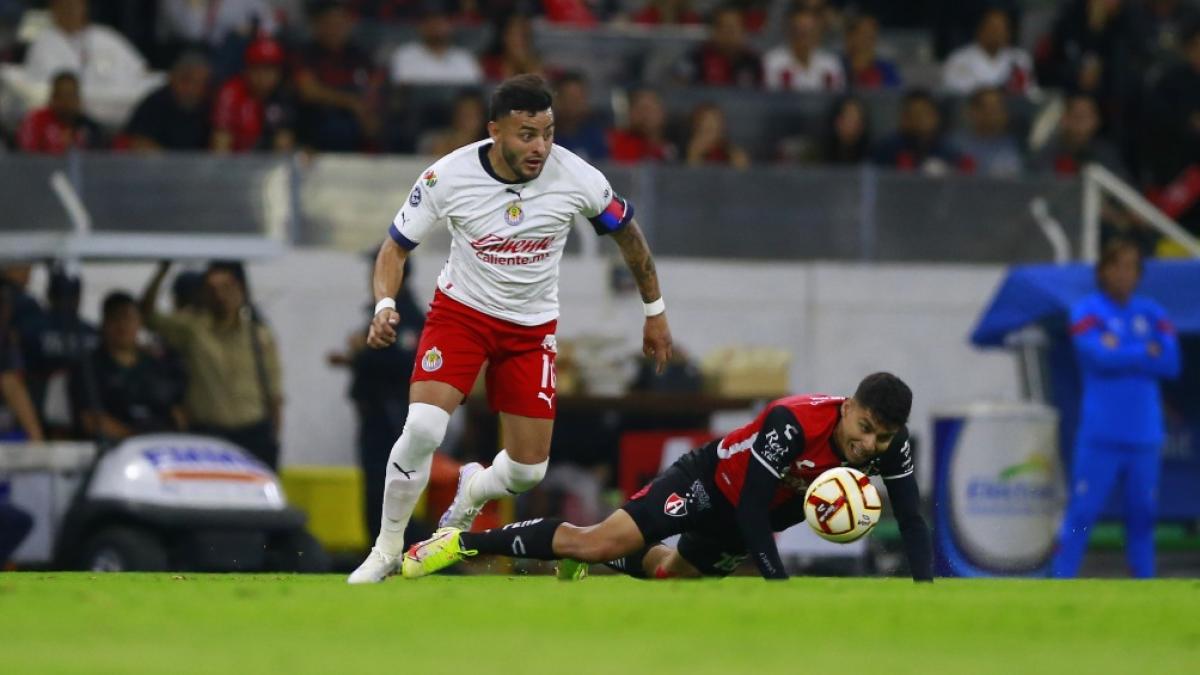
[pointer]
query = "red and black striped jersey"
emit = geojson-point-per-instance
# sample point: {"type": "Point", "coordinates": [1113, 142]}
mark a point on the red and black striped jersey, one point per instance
{"type": "Point", "coordinates": [795, 448]}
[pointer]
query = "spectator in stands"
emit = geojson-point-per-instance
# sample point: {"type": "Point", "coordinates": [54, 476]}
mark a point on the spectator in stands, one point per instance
{"type": "Point", "coordinates": [846, 138]}
{"type": "Point", "coordinates": [918, 144]}
{"type": "Point", "coordinates": [801, 64]}
{"type": "Point", "coordinates": [955, 22]}
{"type": "Point", "coordinates": [725, 59]}
{"type": "Point", "coordinates": [1077, 142]}
{"type": "Point", "coordinates": [234, 389]}
{"type": "Point", "coordinates": [659, 12]}
{"type": "Point", "coordinates": [511, 52]}
{"type": "Point", "coordinates": [434, 59]}
{"type": "Point", "coordinates": [1094, 47]}
{"type": "Point", "coordinates": [708, 142]}
{"type": "Point", "coordinates": [18, 415]}
{"type": "Point", "coordinates": [575, 127]}
{"type": "Point", "coordinates": [987, 140]}
{"type": "Point", "coordinates": [110, 70]}
{"type": "Point", "coordinates": [61, 126]}
{"type": "Point", "coordinates": [222, 27]}
{"type": "Point", "coordinates": [862, 65]}
{"type": "Point", "coordinates": [645, 139]}
{"type": "Point", "coordinates": [125, 390]}
{"type": "Point", "coordinates": [990, 61]}
{"type": "Point", "coordinates": [1162, 24]}
{"type": "Point", "coordinates": [337, 84]}
{"type": "Point", "coordinates": [54, 348]}
{"type": "Point", "coordinates": [252, 111]}
{"type": "Point", "coordinates": [1172, 146]}
{"type": "Point", "coordinates": [177, 115]}
{"type": "Point", "coordinates": [468, 123]}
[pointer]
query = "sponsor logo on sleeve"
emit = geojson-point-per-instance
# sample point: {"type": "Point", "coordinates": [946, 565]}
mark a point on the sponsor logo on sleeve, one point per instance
{"type": "Point", "coordinates": [414, 199]}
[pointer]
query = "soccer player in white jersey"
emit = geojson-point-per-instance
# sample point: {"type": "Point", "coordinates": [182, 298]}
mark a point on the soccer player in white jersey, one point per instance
{"type": "Point", "coordinates": [509, 202]}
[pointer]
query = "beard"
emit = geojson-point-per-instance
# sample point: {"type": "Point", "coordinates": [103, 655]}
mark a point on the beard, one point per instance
{"type": "Point", "coordinates": [513, 160]}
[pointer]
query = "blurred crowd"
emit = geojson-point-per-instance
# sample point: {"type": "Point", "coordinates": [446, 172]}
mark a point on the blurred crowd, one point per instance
{"type": "Point", "coordinates": [210, 365]}
{"type": "Point", "coordinates": [1109, 81]}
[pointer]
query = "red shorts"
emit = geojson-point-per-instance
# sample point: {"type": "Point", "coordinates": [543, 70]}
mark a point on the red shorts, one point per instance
{"type": "Point", "coordinates": [458, 340]}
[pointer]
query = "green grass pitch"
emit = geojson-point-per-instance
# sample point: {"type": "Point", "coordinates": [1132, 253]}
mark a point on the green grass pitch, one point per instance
{"type": "Point", "coordinates": [164, 623]}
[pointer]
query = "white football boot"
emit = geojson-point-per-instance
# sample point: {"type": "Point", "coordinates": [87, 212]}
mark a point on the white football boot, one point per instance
{"type": "Point", "coordinates": [461, 514]}
{"type": "Point", "coordinates": [376, 568]}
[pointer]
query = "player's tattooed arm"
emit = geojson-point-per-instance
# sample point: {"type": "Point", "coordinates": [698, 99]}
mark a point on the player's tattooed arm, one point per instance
{"type": "Point", "coordinates": [636, 253]}
{"type": "Point", "coordinates": [656, 335]}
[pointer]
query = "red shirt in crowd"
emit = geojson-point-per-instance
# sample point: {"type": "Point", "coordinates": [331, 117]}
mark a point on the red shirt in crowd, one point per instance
{"type": "Point", "coordinates": [652, 15]}
{"type": "Point", "coordinates": [43, 132]}
{"type": "Point", "coordinates": [628, 147]}
{"type": "Point", "coordinates": [251, 122]}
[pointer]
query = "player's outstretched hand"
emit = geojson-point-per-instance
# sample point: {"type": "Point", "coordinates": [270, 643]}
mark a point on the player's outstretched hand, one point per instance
{"type": "Point", "coordinates": [383, 328]}
{"type": "Point", "coordinates": [656, 341]}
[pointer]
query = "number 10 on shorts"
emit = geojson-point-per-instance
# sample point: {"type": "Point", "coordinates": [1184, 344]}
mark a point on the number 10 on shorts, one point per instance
{"type": "Point", "coordinates": [549, 378]}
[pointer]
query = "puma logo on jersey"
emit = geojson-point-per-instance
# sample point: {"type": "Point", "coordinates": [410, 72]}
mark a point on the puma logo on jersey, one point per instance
{"type": "Point", "coordinates": [548, 399]}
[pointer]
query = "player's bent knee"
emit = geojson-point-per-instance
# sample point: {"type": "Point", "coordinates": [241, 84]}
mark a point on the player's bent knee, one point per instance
{"type": "Point", "coordinates": [426, 424]}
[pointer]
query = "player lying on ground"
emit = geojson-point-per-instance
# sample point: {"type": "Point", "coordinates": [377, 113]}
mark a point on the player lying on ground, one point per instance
{"type": "Point", "coordinates": [726, 498]}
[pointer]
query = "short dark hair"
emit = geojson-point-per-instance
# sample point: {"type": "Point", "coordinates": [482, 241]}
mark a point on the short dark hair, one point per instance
{"type": "Point", "coordinates": [64, 76]}
{"type": "Point", "coordinates": [887, 397]}
{"type": "Point", "coordinates": [522, 93]}
{"type": "Point", "coordinates": [976, 96]}
{"type": "Point", "coordinates": [918, 94]}
{"type": "Point", "coordinates": [1113, 249]}
{"type": "Point", "coordinates": [115, 302]}
{"type": "Point", "coordinates": [233, 267]}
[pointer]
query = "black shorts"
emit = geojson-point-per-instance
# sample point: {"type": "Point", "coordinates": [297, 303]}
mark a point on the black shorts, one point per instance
{"type": "Point", "coordinates": [679, 502]}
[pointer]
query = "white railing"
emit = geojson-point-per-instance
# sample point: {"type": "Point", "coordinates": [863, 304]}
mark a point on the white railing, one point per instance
{"type": "Point", "coordinates": [1099, 182]}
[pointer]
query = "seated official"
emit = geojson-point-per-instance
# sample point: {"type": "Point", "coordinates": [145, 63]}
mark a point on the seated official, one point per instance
{"type": "Point", "coordinates": [125, 390]}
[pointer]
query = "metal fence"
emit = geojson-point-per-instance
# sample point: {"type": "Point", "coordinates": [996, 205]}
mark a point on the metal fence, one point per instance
{"type": "Point", "coordinates": [347, 202]}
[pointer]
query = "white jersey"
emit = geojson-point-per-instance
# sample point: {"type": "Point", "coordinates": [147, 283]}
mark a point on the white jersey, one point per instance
{"type": "Point", "coordinates": [969, 68]}
{"type": "Point", "coordinates": [506, 238]}
{"type": "Point", "coordinates": [782, 70]}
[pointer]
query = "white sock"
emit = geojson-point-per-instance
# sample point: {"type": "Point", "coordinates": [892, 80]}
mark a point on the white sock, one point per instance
{"type": "Point", "coordinates": [408, 472]}
{"type": "Point", "coordinates": [504, 477]}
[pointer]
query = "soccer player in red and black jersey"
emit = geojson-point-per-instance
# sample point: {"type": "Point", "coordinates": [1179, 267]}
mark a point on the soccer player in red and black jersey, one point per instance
{"type": "Point", "coordinates": [728, 498]}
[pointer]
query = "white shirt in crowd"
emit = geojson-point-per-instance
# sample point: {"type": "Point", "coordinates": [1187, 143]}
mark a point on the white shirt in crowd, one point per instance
{"type": "Point", "coordinates": [111, 71]}
{"type": "Point", "coordinates": [970, 67]}
{"type": "Point", "coordinates": [414, 63]}
{"type": "Point", "coordinates": [783, 71]}
{"type": "Point", "coordinates": [98, 54]}
{"type": "Point", "coordinates": [212, 20]}
{"type": "Point", "coordinates": [506, 239]}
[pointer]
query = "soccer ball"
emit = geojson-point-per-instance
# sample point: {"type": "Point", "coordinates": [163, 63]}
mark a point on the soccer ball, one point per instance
{"type": "Point", "coordinates": [842, 505]}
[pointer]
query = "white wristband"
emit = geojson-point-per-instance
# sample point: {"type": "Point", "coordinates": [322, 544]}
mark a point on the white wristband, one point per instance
{"type": "Point", "coordinates": [386, 303]}
{"type": "Point", "coordinates": [654, 308]}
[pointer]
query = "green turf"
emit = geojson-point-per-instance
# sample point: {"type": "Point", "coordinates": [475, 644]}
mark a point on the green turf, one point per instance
{"type": "Point", "coordinates": [162, 623]}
